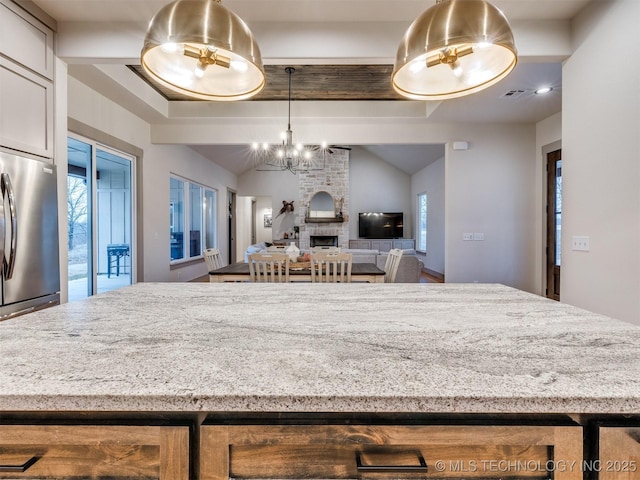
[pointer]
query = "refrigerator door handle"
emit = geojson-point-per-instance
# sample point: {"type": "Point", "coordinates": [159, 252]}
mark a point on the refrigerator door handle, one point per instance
{"type": "Point", "coordinates": [7, 188]}
{"type": "Point", "coordinates": [3, 228]}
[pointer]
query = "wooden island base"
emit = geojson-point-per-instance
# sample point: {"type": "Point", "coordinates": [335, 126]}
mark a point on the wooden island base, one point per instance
{"type": "Point", "coordinates": [290, 446]}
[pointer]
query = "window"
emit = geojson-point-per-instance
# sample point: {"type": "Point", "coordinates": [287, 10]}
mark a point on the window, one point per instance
{"type": "Point", "coordinates": [192, 209]}
{"type": "Point", "coordinates": [422, 223]}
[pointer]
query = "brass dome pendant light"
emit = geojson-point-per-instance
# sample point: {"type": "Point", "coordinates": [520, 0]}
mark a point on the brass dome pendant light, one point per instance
{"type": "Point", "coordinates": [201, 49]}
{"type": "Point", "coordinates": [454, 48]}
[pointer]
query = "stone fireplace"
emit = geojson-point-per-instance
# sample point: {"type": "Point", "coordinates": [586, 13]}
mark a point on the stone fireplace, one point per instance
{"type": "Point", "coordinates": [323, 241]}
{"type": "Point", "coordinates": [333, 179]}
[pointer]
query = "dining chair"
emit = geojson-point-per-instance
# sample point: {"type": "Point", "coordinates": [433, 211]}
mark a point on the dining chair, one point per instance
{"type": "Point", "coordinates": [212, 258]}
{"type": "Point", "coordinates": [331, 267]}
{"type": "Point", "coordinates": [391, 265]}
{"type": "Point", "coordinates": [269, 267]}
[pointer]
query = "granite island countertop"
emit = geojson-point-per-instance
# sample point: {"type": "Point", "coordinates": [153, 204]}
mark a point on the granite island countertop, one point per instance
{"type": "Point", "coordinates": [205, 347]}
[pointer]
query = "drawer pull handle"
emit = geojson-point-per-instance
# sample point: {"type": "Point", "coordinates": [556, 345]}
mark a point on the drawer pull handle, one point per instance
{"type": "Point", "coordinates": [393, 468]}
{"type": "Point", "coordinates": [19, 468]}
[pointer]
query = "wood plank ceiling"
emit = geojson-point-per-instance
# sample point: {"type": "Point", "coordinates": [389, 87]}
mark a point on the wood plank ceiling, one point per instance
{"type": "Point", "coordinates": [312, 82]}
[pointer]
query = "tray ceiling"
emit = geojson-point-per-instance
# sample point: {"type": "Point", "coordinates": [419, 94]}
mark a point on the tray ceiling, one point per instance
{"type": "Point", "coordinates": [311, 82]}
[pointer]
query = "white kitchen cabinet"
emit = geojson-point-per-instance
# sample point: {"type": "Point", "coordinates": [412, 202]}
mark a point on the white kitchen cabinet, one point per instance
{"type": "Point", "coordinates": [26, 110]}
{"type": "Point", "coordinates": [26, 82]}
{"type": "Point", "coordinates": [26, 40]}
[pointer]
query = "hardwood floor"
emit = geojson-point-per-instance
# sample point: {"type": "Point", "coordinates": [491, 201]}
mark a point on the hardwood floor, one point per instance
{"type": "Point", "coordinates": [204, 278]}
{"type": "Point", "coordinates": [426, 278]}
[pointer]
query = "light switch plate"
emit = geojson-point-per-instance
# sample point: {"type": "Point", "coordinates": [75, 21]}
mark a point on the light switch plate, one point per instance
{"type": "Point", "coordinates": [467, 236]}
{"type": "Point", "coordinates": [478, 236]}
{"type": "Point", "coordinates": [580, 243]}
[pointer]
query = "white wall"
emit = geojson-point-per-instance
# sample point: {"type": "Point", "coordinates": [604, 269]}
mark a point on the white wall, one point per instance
{"type": "Point", "coordinates": [376, 186]}
{"type": "Point", "coordinates": [490, 189]}
{"type": "Point", "coordinates": [430, 180]}
{"type": "Point", "coordinates": [548, 131]}
{"type": "Point", "coordinates": [94, 110]}
{"type": "Point", "coordinates": [601, 162]}
{"type": "Point", "coordinates": [158, 163]}
{"type": "Point", "coordinates": [244, 222]}
{"type": "Point", "coordinates": [60, 159]}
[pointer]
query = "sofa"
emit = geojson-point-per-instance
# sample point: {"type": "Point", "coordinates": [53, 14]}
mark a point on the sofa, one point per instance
{"type": "Point", "coordinates": [409, 269]}
{"type": "Point", "coordinates": [255, 248]}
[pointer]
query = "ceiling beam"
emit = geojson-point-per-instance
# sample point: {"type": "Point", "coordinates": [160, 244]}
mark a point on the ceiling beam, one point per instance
{"type": "Point", "coordinates": [302, 43]}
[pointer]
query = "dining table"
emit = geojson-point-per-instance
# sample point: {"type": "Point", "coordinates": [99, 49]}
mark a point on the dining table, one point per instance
{"type": "Point", "coordinates": [239, 272]}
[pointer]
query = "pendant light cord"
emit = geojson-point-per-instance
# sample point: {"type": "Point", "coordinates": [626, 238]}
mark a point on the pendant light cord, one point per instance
{"type": "Point", "coordinates": [290, 71]}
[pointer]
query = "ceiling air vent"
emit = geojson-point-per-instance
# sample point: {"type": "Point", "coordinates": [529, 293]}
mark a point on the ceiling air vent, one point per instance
{"type": "Point", "coordinates": [513, 94]}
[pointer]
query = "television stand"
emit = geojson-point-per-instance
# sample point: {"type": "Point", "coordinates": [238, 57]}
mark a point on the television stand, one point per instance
{"type": "Point", "coordinates": [383, 244]}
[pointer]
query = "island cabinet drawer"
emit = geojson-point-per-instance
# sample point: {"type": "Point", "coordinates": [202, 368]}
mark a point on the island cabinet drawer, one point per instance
{"type": "Point", "coordinates": [618, 454]}
{"type": "Point", "coordinates": [113, 452]}
{"type": "Point", "coordinates": [383, 451]}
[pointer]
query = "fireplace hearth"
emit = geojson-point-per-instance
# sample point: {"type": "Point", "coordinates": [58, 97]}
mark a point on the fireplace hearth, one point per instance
{"type": "Point", "coordinates": [323, 241]}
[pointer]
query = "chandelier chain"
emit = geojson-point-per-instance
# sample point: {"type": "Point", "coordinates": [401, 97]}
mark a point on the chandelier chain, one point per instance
{"type": "Point", "coordinates": [290, 71]}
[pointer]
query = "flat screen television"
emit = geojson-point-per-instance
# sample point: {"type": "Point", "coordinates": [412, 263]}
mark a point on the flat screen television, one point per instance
{"type": "Point", "coordinates": [380, 225]}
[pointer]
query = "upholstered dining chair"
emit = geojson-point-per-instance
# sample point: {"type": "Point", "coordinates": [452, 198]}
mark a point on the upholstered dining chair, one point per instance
{"type": "Point", "coordinates": [391, 265]}
{"type": "Point", "coordinates": [269, 267]}
{"type": "Point", "coordinates": [331, 267]}
{"type": "Point", "coordinates": [212, 258]}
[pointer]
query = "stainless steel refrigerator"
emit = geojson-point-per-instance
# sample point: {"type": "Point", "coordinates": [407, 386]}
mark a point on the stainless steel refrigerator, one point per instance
{"type": "Point", "coordinates": [28, 235]}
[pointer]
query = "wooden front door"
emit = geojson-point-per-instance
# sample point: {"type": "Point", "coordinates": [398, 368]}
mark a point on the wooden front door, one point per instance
{"type": "Point", "coordinates": [554, 222]}
{"type": "Point", "coordinates": [231, 200]}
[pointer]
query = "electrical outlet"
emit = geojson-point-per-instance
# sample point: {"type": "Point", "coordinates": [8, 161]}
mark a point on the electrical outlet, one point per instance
{"type": "Point", "coordinates": [580, 243]}
{"type": "Point", "coordinates": [478, 236]}
{"type": "Point", "coordinates": [467, 236]}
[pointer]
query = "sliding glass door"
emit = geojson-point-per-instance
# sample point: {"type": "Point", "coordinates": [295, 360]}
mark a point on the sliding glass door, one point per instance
{"type": "Point", "coordinates": [100, 218]}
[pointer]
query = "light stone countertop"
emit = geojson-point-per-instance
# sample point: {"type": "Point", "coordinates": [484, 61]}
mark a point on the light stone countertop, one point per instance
{"type": "Point", "coordinates": [208, 347]}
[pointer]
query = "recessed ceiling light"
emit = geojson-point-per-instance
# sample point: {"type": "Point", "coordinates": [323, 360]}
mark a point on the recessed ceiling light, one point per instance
{"type": "Point", "coordinates": [543, 90]}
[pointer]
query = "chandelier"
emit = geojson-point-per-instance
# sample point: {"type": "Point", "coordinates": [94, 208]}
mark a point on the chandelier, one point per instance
{"type": "Point", "coordinates": [287, 155]}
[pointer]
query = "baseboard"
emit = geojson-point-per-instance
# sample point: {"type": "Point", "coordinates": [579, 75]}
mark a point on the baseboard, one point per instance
{"type": "Point", "coordinates": [433, 273]}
